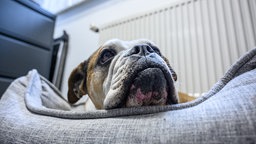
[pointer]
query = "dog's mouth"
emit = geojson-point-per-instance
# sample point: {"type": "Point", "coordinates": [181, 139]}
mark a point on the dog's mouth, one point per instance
{"type": "Point", "coordinates": [149, 87]}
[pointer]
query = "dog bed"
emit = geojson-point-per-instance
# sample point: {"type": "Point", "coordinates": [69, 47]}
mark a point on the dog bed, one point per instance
{"type": "Point", "coordinates": [32, 110]}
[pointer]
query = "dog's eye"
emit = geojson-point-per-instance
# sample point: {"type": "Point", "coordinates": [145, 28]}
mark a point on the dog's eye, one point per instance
{"type": "Point", "coordinates": [106, 56]}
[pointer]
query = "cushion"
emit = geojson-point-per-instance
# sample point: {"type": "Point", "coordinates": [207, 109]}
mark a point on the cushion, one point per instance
{"type": "Point", "coordinates": [32, 110]}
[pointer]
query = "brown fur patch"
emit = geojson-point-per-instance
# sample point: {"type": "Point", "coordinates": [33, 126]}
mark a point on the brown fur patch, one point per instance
{"type": "Point", "coordinates": [183, 97]}
{"type": "Point", "coordinates": [95, 81]}
{"type": "Point", "coordinates": [76, 86]}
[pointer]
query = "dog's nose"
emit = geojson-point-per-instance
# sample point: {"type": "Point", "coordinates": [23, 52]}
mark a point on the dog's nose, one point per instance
{"type": "Point", "coordinates": [142, 50]}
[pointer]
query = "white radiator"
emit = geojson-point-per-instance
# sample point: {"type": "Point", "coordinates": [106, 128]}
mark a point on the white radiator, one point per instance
{"type": "Point", "coordinates": [201, 38]}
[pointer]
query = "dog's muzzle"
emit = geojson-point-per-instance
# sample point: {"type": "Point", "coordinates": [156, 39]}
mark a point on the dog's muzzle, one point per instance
{"type": "Point", "coordinates": [140, 78]}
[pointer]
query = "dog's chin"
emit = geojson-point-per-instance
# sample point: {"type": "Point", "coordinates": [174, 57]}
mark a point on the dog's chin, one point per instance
{"type": "Point", "coordinates": [149, 87]}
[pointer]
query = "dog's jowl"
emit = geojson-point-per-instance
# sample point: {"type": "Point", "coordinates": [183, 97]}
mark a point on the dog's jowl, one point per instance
{"type": "Point", "coordinates": [124, 74]}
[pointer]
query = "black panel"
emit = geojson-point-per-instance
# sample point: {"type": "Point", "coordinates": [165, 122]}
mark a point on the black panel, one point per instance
{"type": "Point", "coordinates": [21, 22]}
{"type": "Point", "coordinates": [17, 58]}
{"type": "Point", "coordinates": [4, 83]}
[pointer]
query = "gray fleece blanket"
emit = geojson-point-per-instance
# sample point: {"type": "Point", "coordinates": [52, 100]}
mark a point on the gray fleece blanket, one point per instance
{"type": "Point", "coordinates": [32, 110]}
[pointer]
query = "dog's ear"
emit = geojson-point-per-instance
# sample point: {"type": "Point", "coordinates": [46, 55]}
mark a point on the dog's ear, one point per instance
{"type": "Point", "coordinates": [77, 83]}
{"type": "Point", "coordinates": [174, 75]}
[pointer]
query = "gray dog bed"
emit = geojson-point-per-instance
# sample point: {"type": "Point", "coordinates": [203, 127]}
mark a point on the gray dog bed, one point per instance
{"type": "Point", "coordinates": [32, 110]}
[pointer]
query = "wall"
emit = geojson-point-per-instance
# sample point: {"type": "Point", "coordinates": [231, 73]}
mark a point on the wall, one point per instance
{"type": "Point", "coordinates": [76, 22]}
{"type": "Point", "coordinates": [200, 38]}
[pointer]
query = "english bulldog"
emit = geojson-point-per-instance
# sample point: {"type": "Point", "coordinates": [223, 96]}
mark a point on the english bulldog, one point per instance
{"type": "Point", "coordinates": [124, 74]}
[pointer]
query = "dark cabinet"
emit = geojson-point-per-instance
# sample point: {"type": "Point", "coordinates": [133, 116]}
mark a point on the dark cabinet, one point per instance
{"type": "Point", "coordinates": [26, 40]}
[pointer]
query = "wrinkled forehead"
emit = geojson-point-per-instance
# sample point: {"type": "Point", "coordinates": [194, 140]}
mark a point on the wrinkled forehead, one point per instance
{"type": "Point", "coordinates": [122, 45]}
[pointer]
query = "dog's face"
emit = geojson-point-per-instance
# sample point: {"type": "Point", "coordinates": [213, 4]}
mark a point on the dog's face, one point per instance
{"type": "Point", "coordinates": [124, 74]}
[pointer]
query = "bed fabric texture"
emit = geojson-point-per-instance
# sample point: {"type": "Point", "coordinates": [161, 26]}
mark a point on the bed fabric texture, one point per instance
{"type": "Point", "coordinates": [32, 110]}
